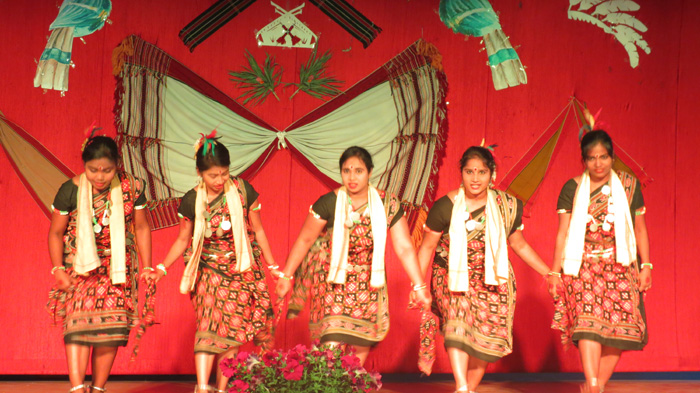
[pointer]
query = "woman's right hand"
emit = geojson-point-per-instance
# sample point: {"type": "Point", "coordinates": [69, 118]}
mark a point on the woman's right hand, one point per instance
{"type": "Point", "coordinates": [149, 275]}
{"type": "Point", "coordinates": [555, 286]}
{"type": "Point", "coordinates": [64, 281]}
{"type": "Point", "coordinates": [282, 289]}
{"type": "Point", "coordinates": [422, 298]}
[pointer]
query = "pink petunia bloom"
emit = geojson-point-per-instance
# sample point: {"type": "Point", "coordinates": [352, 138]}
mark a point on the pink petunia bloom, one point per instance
{"type": "Point", "coordinates": [291, 363]}
{"type": "Point", "coordinates": [300, 349]}
{"type": "Point", "coordinates": [228, 367]}
{"type": "Point", "coordinates": [240, 386]}
{"type": "Point", "coordinates": [242, 357]}
{"type": "Point", "coordinates": [293, 373]}
{"type": "Point", "coordinates": [350, 362]}
{"type": "Point", "coordinates": [293, 355]}
{"type": "Point", "coordinates": [270, 358]}
{"type": "Point", "coordinates": [377, 379]}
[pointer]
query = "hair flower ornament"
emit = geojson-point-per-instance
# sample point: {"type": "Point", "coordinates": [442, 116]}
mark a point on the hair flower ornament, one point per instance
{"type": "Point", "coordinates": [89, 133]}
{"type": "Point", "coordinates": [489, 147]}
{"type": "Point", "coordinates": [207, 141]}
{"type": "Point", "coordinates": [591, 122]}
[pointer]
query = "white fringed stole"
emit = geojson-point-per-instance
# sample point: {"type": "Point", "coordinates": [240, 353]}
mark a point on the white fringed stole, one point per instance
{"type": "Point", "coordinates": [240, 236]}
{"type": "Point", "coordinates": [495, 239]}
{"type": "Point", "coordinates": [86, 258]}
{"type": "Point", "coordinates": [625, 241]}
{"type": "Point", "coordinates": [341, 238]}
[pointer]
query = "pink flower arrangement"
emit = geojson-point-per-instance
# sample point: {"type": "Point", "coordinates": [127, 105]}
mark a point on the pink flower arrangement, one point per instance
{"type": "Point", "coordinates": [300, 369]}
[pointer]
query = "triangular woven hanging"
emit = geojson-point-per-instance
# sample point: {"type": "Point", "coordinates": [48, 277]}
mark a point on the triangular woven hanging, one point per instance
{"type": "Point", "coordinates": [526, 176]}
{"type": "Point", "coordinates": [39, 170]}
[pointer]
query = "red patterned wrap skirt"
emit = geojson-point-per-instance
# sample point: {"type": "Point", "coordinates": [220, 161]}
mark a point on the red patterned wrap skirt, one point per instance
{"type": "Point", "coordinates": [231, 310]}
{"type": "Point", "coordinates": [603, 303]}
{"type": "Point", "coordinates": [353, 313]}
{"type": "Point", "coordinates": [479, 321]}
{"type": "Point", "coordinates": [94, 311]}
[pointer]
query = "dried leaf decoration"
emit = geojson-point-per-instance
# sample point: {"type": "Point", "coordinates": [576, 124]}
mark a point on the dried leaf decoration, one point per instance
{"type": "Point", "coordinates": [610, 16]}
{"type": "Point", "coordinates": [258, 82]}
{"type": "Point", "coordinates": [313, 79]}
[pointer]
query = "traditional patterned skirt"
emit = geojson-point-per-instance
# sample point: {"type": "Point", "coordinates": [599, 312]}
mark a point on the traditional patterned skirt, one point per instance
{"type": "Point", "coordinates": [231, 309]}
{"type": "Point", "coordinates": [603, 303]}
{"type": "Point", "coordinates": [353, 313]}
{"type": "Point", "coordinates": [480, 321]}
{"type": "Point", "coordinates": [95, 312]}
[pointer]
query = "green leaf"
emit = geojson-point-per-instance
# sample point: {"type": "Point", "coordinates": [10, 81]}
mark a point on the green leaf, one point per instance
{"type": "Point", "coordinates": [313, 80]}
{"type": "Point", "coordinates": [257, 82]}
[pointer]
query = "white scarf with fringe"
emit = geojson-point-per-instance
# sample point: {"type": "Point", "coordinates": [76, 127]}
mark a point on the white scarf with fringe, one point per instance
{"type": "Point", "coordinates": [495, 241]}
{"type": "Point", "coordinates": [625, 241]}
{"type": "Point", "coordinates": [86, 258]}
{"type": "Point", "coordinates": [341, 238]}
{"type": "Point", "coordinates": [240, 235]}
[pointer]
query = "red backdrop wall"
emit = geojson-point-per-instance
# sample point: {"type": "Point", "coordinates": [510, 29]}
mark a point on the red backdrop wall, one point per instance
{"type": "Point", "coordinates": [651, 111]}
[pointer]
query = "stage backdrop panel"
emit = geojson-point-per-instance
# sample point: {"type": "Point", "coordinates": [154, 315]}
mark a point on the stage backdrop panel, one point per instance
{"type": "Point", "coordinates": [651, 110]}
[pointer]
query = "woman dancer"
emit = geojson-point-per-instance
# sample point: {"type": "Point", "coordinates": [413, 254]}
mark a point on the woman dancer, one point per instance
{"type": "Point", "coordinates": [467, 233]}
{"type": "Point", "coordinates": [350, 303]}
{"type": "Point", "coordinates": [97, 224]}
{"type": "Point", "coordinates": [221, 218]}
{"type": "Point", "coordinates": [601, 230]}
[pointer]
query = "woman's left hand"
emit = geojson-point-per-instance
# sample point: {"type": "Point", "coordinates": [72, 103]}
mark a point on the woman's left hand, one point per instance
{"type": "Point", "coordinates": [645, 279]}
{"type": "Point", "coordinates": [275, 273]}
{"type": "Point", "coordinates": [421, 298]}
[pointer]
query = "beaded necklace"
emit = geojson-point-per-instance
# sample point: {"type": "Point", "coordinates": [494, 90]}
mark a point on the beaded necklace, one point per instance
{"type": "Point", "coordinates": [96, 227]}
{"type": "Point", "coordinates": [609, 217]}
{"type": "Point", "coordinates": [225, 221]}
{"type": "Point", "coordinates": [471, 224]}
{"type": "Point", "coordinates": [353, 217]}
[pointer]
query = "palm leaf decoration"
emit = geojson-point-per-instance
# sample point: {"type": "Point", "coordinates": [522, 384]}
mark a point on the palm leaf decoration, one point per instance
{"type": "Point", "coordinates": [313, 79]}
{"type": "Point", "coordinates": [258, 82]}
{"type": "Point", "coordinates": [611, 17]}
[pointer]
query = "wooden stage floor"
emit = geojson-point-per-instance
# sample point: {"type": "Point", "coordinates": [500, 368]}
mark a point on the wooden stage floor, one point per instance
{"type": "Point", "coordinates": [617, 386]}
